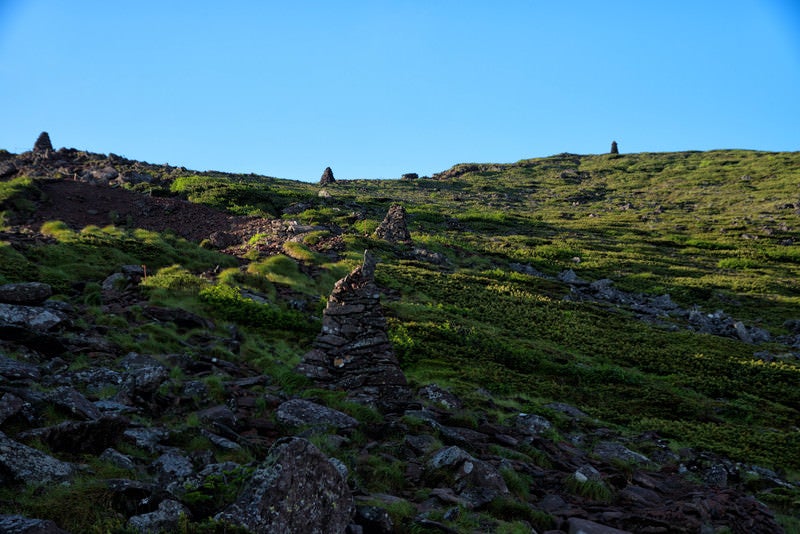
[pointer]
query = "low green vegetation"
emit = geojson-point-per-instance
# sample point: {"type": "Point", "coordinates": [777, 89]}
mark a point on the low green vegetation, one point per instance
{"type": "Point", "coordinates": [488, 319]}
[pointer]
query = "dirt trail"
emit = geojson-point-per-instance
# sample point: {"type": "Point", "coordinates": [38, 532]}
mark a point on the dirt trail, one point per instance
{"type": "Point", "coordinates": [80, 204]}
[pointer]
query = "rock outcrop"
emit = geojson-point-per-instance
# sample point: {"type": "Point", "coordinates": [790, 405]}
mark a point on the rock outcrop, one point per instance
{"type": "Point", "coordinates": [394, 228]}
{"type": "Point", "coordinates": [353, 352]}
{"type": "Point", "coordinates": [614, 148]}
{"type": "Point", "coordinates": [297, 489]}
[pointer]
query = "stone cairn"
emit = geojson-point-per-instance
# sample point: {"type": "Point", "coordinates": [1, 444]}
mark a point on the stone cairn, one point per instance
{"type": "Point", "coordinates": [43, 144]}
{"type": "Point", "coordinates": [353, 351]}
{"type": "Point", "coordinates": [393, 228]}
{"type": "Point", "coordinates": [327, 177]}
{"type": "Point", "coordinates": [614, 148]}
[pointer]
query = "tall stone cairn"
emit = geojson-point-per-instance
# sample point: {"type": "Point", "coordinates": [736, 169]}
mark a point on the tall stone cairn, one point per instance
{"type": "Point", "coordinates": [353, 352]}
{"type": "Point", "coordinates": [394, 228]}
{"type": "Point", "coordinates": [614, 148]}
{"type": "Point", "coordinates": [43, 144]}
{"type": "Point", "coordinates": [327, 177]}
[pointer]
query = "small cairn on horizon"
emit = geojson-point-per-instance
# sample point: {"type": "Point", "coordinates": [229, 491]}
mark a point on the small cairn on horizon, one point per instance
{"type": "Point", "coordinates": [43, 144]}
{"type": "Point", "coordinates": [327, 177]}
{"type": "Point", "coordinates": [614, 148]}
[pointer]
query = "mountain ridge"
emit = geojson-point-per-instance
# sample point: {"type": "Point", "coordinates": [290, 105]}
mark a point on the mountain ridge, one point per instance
{"type": "Point", "coordinates": [579, 329]}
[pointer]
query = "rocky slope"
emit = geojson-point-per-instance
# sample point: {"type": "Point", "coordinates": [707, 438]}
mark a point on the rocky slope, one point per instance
{"type": "Point", "coordinates": [192, 441]}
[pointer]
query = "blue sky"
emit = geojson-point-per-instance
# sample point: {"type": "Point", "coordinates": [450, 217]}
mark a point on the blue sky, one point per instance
{"type": "Point", "coordinates": [378, 88]}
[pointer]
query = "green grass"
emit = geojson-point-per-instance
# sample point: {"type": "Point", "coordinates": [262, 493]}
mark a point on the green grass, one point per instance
{"type": "Point", "coordinates": [713, 229]}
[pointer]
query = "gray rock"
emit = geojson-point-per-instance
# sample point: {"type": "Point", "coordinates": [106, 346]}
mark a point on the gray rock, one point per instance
{"type": "Point", "coordinates": [439, 396]}
{"type": "Point", "coordinates": [327, 177]}
{"type": "Point", "coordinates": [566, 409]}
{"type": "Point", "coordinates": [25, 293]}
{"type": "Point", "coordinates": [475, 481]}
{"type": "Point", "coordinates": [110, 406]}
{"type": "Point", "coordinates": [716, 475]}
{"type": "Point", "coordinates": [143, 374]}
{"type": "Point", "coordinates": [29, 317]}
{"type": "Point", "coordinates": [610, 450]}
{"type": "Point", "coordinates": [12, 405]}
{"type": "Point", "coordinates": [300, 412]}
{"type": "Point", "coordinates": [219, 441]}
{"type": "Point", "coordinates": [584, 526]}
{"type": "Point", "coordinates": [146, 438]}
{"type": "Point", "coordinates": [218, 415]}
{"type": "Point", "coordinates": [74, 402]}
{"type": "Point", "coordinates": [94, 379]}
{"type": "Point", "coordinates": [28, 465]}
{"type": "Point", "coordinates": [76, 437]}
{"type": "Point", "coordinates": [296, 489]}
{"type": "Point", "coordinates": [531, 424]}
{"type": "Point", "coordinates": [116, 458]}
{"type": "Point", "coordinates": [569, 277]}
{"type": "Point", "coordinates": [173, 465]}
{"type": "Point", "coordinates": [586, 473]}
{"type": "Point", "coordinates": [113, 282]}
{"type": "Point", "coordinates": [448, 456]}
{"type": "Point", "coordinates": [165, 519]}
{"type": "Point", "coordinates": [374, 519]}
{"type": "Point", "coordinates": [7, 169]}
{"type": "Point", "coordinates": [100, 176]}
{"type": "Point", "coordinates": [12, 369]}
{"type": "Point", "coordinates": [17, 524]}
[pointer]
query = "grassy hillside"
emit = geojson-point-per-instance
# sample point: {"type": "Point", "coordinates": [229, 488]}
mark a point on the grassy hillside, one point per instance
{"type": "Point", "coordinates": [490, 320]}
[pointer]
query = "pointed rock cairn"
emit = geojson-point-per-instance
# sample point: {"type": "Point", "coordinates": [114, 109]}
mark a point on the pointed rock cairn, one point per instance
{"type": "Point", "coordinates": [393, 228]}
{"type": "Point", "coordinates": [353, 352]}
{"type": "Point", "coordinates": [327, 177]}
{"type": "Point", "coordinates": [43, 143]}
{"type": "Point", "coordinates": [614, 148]}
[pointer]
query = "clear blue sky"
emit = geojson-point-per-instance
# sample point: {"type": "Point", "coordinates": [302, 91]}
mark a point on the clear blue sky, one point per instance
{"type": "Point", "coordinates": [376, 88]}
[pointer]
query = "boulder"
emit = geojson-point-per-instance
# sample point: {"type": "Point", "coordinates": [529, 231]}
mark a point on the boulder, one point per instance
{"type": "Point", "coordinates": [165, 519]}
{"type": "Point", "coordinates": [25, 293]}
{"type": "Point", "coordinates": [300, 412]}
{"type": "Point", "coordinates": [20, 463]}
{"type": "Point", "coordinates": [75, 403]}
{"type": "Point", "coordinates": [80, 437]}
{"type": "Point", "coordinates": [148, 439]}
{"type": "Point", "coordinates": [7, 169]}
{"type": "Point", "coordinates": [143, 376]}
{"type": "Point", "coordinates": [475, 481]}
{"type": "Point", "coordinates": [28, 317]}
{"type": "Point", "coordinates": [610, 450]}
{"type": "Point", "coordinates": [296, 489]}
{"type": "Point", "coordinates": [17, 524]}
{"type": "Point", "coordinates": [531, 424]}
{"type": "Point", "coordinates": [584, 526]}
{"type": "Point", "coordinates": [116, 458]}
{"type": "Point", "coordinates": [11, 406]}
{"type": "Point", "coordinates": [11, 369]}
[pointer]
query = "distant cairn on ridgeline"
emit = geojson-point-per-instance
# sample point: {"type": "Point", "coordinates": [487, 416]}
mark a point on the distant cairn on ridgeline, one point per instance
{"type": "Point", "coordinates": [43, 144]}
{"type": "Point", "coordinates": [327, 177]}
{"type": "Point", "coordinates": [614, 148]}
